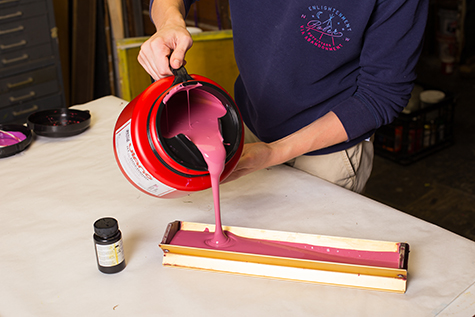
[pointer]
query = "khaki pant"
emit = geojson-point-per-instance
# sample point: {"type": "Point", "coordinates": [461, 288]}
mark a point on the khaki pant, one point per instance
{"type": "Point", "coordinates": [349, 168]}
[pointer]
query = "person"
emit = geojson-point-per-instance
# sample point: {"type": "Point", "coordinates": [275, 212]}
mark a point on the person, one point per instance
{"type": "Point", "coordinates": [317, 78]}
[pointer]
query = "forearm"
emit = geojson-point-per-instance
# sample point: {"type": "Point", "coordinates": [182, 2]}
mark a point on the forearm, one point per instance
{"type": "Point", "coordinates": [322, 133]}
{"type": "Point", "coordinates": [168, 46]}
{"type": "Point", "coordinates": [164, 12]}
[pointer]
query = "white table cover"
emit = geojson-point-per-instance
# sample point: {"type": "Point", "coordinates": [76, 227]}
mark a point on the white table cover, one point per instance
{"type": "Point", "coordinates": [54, 191]}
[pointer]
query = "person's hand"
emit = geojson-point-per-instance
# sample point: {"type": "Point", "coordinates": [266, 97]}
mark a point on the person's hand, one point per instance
{"type": "Point", "coordinates": [167, 47]}
{"type": "Point", "coordinates": [255, 156]}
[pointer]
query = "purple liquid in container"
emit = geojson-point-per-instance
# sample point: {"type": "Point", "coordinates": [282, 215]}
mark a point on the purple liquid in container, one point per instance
{"type": "Point", "coordinates": [8, 138]}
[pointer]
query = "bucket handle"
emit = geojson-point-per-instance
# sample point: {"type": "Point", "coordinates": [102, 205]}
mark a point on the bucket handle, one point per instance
{"type": "Point", "coordinates": [181, 75]}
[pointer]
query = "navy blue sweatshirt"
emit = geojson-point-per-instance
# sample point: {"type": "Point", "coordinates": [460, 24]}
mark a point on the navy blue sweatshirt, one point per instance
{"type": "Point", "coordinates": [298, 60]}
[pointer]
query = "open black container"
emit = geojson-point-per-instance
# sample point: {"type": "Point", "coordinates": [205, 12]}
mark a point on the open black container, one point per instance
{"type": "Point", "coordinates": [59, 123]}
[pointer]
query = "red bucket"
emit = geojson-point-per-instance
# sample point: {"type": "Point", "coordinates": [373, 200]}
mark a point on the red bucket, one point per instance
{"type": "Point", "coordinates": [172, 167]}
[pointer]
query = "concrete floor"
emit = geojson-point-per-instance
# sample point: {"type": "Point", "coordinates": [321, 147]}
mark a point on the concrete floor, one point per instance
{"type": "Point", "coordinates": [439, 188]}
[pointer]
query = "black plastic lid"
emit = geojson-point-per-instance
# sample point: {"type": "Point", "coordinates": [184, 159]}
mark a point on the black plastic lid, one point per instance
{"type": "Point", "coordinates": [106, 227]}
{"type": "Point", "coordinates": [61, 122]}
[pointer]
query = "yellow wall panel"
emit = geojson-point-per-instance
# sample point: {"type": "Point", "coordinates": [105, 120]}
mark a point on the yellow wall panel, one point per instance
{"type": "Point", "coordinates": [211, 56]}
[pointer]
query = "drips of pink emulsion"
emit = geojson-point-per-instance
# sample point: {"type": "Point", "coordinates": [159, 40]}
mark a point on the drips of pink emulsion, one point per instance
{"type": "Point", "coordinates": [200, 124]}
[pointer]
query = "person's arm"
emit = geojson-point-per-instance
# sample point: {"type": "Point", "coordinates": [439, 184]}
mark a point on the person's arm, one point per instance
{"type": "Point", "coordinates": [168, 46]}
{"type": "Point", "coordinates": [324, 132]}
{"type": "Point", "coordinates": [391, 47]}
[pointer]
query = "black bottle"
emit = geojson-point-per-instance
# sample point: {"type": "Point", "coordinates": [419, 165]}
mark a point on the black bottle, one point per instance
{"type": "Point", "coordinates": [108, 245]}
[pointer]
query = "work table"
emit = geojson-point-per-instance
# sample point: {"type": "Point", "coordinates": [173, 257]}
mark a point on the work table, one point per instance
{"type": "Point", "coordinates": [54, 191]}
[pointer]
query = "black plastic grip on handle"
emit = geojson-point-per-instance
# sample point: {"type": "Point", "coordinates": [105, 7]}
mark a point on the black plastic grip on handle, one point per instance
{"type": "Point", "coordinates": [181, 75]}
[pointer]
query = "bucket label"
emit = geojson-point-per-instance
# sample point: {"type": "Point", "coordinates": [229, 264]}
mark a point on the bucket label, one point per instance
{"type": "Point", "coordinates": [133, 167]}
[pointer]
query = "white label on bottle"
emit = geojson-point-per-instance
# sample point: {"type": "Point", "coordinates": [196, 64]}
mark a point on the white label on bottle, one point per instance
{"type": "Point", "coordinates": [133, 167]}
{"type": "Point", "coordinates": [110, 254]}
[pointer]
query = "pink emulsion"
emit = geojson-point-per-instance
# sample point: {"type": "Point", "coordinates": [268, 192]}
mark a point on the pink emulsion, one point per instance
{"type": "Point", "coordinates": [200, 124]}
{"type": "Point", "coordinates": [302, 251]}
{"type": "Point", "coordinates": [195, 114]}
{"type": "Point", "coordinates": [8, 138]}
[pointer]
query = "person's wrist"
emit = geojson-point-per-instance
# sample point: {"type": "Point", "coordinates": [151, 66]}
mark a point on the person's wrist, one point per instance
{"type": "Point", "coordinates": [172, 17]}
{"type": "Point", "coordinates": [277, 153]}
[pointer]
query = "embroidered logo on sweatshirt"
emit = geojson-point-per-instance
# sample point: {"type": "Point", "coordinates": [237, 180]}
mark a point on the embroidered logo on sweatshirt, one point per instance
{"type": "Point", "coordinates": [325, 27]}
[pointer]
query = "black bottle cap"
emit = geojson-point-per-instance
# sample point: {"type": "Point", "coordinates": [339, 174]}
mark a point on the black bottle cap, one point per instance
{"type": "Point", "coordinates": [106, 227]}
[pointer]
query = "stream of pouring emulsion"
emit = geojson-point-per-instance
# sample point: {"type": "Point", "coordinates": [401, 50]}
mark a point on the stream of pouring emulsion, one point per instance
{"type": "Point", "coordinates": [200, 124]}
